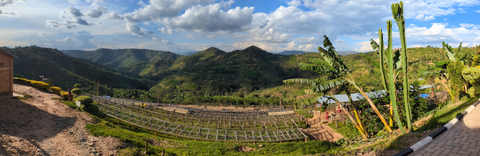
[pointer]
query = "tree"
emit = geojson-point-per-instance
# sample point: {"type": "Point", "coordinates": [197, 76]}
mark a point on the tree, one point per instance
{"type": "Point", "coordinates": [337, 73]}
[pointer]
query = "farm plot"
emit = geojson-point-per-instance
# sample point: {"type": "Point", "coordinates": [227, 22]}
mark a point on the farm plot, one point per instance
{"type": "Point", "coordinates": [227, 128]}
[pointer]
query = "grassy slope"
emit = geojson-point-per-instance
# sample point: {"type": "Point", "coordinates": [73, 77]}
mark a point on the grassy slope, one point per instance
{"type": "Point", "coordinates": [66, 70]}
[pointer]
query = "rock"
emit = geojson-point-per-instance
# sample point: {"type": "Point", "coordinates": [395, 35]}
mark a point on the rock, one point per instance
{"type": "Point", "coordinates": [260, 145]}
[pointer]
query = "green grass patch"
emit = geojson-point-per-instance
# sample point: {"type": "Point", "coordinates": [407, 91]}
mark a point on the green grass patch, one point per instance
{"type": "Point", "coordinates": [347, 129]}
{"type": "Point", "coordinates": [70, 104]}
{"type": "Point", "coordinates": [445, 114]}
{"type": "Point", "coordinates": [20, 97]}
{"type": "Point", "coordinates": [182, 146]}
{"type": "Point", "coordinates": [56, 98]}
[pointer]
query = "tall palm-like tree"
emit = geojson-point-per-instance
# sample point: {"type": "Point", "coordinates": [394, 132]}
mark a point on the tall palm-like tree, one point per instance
{"type": "Point", "coordinates": [337, 74]}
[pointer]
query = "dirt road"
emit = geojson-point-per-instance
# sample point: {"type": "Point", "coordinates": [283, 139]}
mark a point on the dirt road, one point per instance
{"type": "Point", "coordinates": [43, 126]}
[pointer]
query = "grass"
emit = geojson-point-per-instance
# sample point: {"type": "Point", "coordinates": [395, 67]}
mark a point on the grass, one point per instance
{"type": "Point", "coordinates": [445, 114]}
{"type": "Point", "coordinates": [21, 97]}
{"type": "Point", "coordinates": [181, 146]}
{"type": "Point", "coordinates": [70, 104]}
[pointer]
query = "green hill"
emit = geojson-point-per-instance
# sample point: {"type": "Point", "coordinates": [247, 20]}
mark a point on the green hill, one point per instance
{"type": "Point", "coordinates": [214, 72]}
{"type": "Point", "coordinates": [122, 59]}
{"type": "Point", "coordinates": [65, 70]}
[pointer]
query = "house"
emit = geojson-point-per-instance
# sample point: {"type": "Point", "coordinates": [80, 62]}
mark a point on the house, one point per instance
{"type": "Point", "coordinates": [6, 73]}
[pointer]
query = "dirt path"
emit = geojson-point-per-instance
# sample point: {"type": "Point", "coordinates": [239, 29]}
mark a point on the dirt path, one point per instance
{"type": "Point", "coordinates": [42, 126]}
{"type": "Point", "coordinates": [320, 131]}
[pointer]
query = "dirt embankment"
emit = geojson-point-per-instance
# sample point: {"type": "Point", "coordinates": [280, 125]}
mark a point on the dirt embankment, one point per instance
{"type": "Point", "coordinates": [42, 126]}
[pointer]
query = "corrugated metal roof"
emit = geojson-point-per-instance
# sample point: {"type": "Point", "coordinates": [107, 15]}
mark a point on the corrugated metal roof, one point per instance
{"type": "Point", "coordinates": [359, 96]}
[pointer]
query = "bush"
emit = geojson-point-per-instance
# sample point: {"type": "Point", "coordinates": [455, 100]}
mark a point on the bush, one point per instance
{"type": "Point", "coordinates": [40, 84]}
{"type": "Point", "coordinates": [89, 106]}
{"type": "Point", "coordinates": [64, 95]}
{"type": "Point", "coordinates": [56, 90]}
{"type": "Point", "coordinates": [77, 85]}
{"type": "Point", "coordinates": [85, 100]}
{"type": "Point", "coordinates": [77, 91]}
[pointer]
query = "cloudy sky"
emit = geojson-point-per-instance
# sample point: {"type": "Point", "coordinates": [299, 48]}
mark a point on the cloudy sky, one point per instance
{"type": "Point", "coordinates": [192, 25]}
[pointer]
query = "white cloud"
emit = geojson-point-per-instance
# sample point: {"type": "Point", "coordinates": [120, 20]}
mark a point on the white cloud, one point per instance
{"type": "Point", "coordinates": [73, 1]}
{"type": "Point", "coordinates": [466, 25]}
{"type": "Point", "coordinates": [133, 27]}
{"type": "Point", "coordinates": [74, 12]}
{"type": "Point", "coordinates": [421, 17]}
{"type": "Point", "coordinates": [96, 11]}
{"type": "Point", "coordinates": [159, 9]}
{"type": "Point", "coordinates": [166, 31]}
{"type": "Point", "coordinates": [478, 11]}
{"type": "Point", "coordinates": [55, 24]}
{"type": "Point", "coordinates": [8, 13]}
{"type": "Point", "coordinates": [141, 3]}
{"type": "Point", "coordinates": [79, 40]}
{"type": "Point", "coordinates": [4, 3]}
{"type": "Point", "coordinates": [114, 15]}
{"type": "Point", "coordinates": [212, 18]}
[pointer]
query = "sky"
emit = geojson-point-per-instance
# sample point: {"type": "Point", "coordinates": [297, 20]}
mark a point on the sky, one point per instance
{"type": "Point", "coordinates": [194, 25]}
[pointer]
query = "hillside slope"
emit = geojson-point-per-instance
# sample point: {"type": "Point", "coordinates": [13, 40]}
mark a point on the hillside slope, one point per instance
{"type": "Point", "coordinates": [65, 70]}
{"type": "Point", "coordinates": [121, 58]}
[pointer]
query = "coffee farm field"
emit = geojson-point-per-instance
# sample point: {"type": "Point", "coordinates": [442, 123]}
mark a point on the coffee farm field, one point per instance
{"type": "Point", "coordinates": [181, 131]}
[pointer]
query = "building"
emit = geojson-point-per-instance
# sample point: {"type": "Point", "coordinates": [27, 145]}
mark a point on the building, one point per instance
{"type": "Point", "coordinates": [343, 98]}
{"type": "Point", "coordinates": [6, 73]}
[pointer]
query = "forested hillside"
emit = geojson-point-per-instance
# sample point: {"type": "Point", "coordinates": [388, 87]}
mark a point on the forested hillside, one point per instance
{"type": "Point", "coordinates": [211, 71]}
{"type": "Point", "coordinates": [65, 70]}
{"type": "Point", "coordinates": [122, 58]}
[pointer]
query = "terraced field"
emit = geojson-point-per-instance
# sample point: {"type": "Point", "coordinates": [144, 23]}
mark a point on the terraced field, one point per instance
{"type": "Point", "coordinates": [201, 124]}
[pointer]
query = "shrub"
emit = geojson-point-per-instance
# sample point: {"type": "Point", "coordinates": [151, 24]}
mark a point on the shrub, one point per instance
{"type": "Point", "coordinates": [40, 84]}
{"type": "Point", "coordinates": [64, 95]}
{"type": "Point", "coordinates": [77, 85]}
{"type": "Point", "coordinates": [89, 106]}
{"type": "Point", "coordinates": [77, 91]}
{"type": "Point", "coordinates": [85, 100]}
{"type": "Point", "coordinates": [56, 90]}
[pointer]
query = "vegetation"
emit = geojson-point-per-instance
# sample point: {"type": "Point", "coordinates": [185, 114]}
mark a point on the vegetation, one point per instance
{"type": "Point", "coordinates": [178, 146]}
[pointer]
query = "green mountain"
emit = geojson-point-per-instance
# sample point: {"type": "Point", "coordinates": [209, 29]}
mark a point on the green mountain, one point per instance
{"type": "Point", "coordinates": [214, 71]}
{"type": "Point", "coordinates": [65, 70]}
{"type": "Point", "coordinates": [122, 59]}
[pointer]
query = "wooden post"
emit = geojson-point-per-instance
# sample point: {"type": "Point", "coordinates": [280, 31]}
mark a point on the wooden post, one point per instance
{"type": "Point", "coordinates": [146, 145]}
{"type": "Point", "coordinates": [156, 133]}
{"type": "Point", "coordinates": [306, 139]}
{"type": "Point", "coordinates": [163, 152]}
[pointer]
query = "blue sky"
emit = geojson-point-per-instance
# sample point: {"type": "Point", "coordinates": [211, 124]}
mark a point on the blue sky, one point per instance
{"type": "Point", "coordinates": [193, 25]}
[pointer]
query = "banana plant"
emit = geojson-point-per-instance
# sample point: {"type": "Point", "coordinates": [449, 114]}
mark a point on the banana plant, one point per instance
{"type": "Point", "coordinates": [337, 74]}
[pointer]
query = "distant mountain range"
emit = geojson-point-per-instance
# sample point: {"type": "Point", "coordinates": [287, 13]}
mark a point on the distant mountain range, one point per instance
{"type": "Point", "coordinates": [211, 71]}
{"type": "Point", "coordinates": [187, 53]}
{"type": "Point", "coordinates": [293, 52]}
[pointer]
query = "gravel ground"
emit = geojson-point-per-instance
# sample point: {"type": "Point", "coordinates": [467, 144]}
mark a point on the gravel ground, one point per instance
{"type": "Point", "coordinates": [42, 126]}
